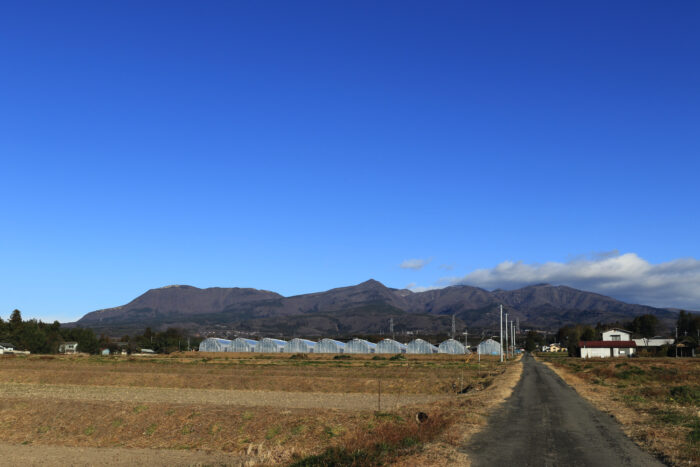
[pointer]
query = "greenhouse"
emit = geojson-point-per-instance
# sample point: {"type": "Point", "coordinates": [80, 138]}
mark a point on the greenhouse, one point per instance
{"type": "Point", "coordinates": [330, 346]}
{"type": "Point", "coordinates": [490, 347]}
{"type": "Point", "coordinates": [390, 346]}
{"type": "Point", "coordinates": [300, 346]}
{"type": "Point", "coordinates": [268, 345]}
{"type": "Point", "coordinates": [360, 346]}
{"type": "Point", "coordinates": [451, 346]}
{"type": "Point", "coordinates": [241, 344]}
{"type": "Point", "coordinates": [214, 344]}
{"type": "Point", "coordinates": [421, 346]}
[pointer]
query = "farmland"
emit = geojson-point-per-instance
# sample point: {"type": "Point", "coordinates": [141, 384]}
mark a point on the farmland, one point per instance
{"type": "Point", "coordinates": [250, 408]}
{"type": "Point", "coordinates": [656, 400]}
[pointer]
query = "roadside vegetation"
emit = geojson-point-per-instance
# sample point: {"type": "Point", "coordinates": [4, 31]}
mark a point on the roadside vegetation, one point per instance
{"type": "Point", "coordinates": [657, 400]}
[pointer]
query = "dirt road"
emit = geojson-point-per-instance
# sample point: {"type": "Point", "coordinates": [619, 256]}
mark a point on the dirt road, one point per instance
{"type": "Point", "coordinates": [290, 400]}
{"type": "Point", "coordinates": [546, 423]}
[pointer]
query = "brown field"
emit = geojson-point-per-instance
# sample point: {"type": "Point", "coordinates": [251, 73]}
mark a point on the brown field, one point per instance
{"type": "Point", "coordinates": [265, 409]}
{"type": "Point", "coordinates": [656, 400]}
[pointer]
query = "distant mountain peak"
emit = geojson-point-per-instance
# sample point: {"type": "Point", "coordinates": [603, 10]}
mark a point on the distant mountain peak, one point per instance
{"type": "Point", "coordinates": [371, 283]}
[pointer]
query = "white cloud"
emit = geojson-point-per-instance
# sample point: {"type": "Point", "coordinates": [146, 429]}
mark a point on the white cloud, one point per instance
{"type": "Point", "coordinates": [626, 277]}
{"type": "Point", "coordinates": [414, 264]}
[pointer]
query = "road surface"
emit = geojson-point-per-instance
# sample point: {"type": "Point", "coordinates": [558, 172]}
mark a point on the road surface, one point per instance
{"type": "Point", "coordinates": [546, 423]}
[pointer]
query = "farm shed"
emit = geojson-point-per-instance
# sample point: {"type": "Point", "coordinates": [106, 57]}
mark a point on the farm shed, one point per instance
{"type": "Point", "coordinates": [453, 347]}
{"type": "Point", "coordinates": [241, 344]}
{"type": "Point", "coordinates": [330, 346]}
{"type": "Point", "coordinates": [300, 346]}
{"type": "Point", "coordinates": [489, 347]}
{"type": "Point", "coordinates": [360, 346]}
{"type": "Point", "coordinates": [390, 346]}
{"type": "Point", "coordinates": [268, 345]}
{"type": "Point", "coordinates": [421, 346]}
{"type": "Point", "coordinates": [214, 344]}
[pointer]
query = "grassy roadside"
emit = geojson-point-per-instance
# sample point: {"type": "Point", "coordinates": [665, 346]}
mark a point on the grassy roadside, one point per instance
{"type": "Point", "coordinates": [436, 442]}
{"type": "Point", "coordinates": [656, 400]}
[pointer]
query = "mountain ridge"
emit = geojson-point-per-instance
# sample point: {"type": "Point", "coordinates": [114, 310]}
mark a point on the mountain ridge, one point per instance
{"type": "Point", "coordinates": [361, 308]}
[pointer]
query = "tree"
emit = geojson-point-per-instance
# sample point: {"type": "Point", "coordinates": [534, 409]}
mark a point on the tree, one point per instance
{"type": "Point", "coordinates": [15, 321]}
{"type": "Point", "coordinates": [645, 326]}
{"type": "Point", "coordinates": [533, 341]}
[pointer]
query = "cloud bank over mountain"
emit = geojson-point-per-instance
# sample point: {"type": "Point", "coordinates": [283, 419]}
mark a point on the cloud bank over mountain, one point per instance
{"type": "Point", "coordinates": [626, 277]}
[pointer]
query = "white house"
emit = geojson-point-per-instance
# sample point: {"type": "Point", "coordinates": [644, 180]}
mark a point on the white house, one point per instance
{"type": "Point", "coordinates": [615, 343]}
{"type": "Point", "coordinates": [6, 347]}
{"type": "Point", "coordinates": [68, 347]}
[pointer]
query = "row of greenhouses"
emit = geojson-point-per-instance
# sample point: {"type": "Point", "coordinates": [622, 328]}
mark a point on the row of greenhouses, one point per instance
{"type": "Point", "coordinates": [353, 346]}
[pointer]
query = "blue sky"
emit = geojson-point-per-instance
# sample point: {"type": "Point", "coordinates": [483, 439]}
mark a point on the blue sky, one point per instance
{"type": "Point", "coordinates": [300, 146]}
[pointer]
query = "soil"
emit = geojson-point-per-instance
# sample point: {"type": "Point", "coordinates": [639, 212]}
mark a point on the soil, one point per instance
{"type": "Point", "coordinates": [28, 455]}
{"type": "Point", "coordinates": [290, 400]}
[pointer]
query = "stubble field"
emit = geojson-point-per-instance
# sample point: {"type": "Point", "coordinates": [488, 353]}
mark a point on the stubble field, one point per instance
{"type": "Point", "coordinates": [248, 408]}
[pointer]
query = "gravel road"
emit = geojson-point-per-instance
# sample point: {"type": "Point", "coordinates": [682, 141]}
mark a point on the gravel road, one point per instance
{"type": "Point", "coordinates": [546, 423]}
{"type": "Point", "coordinates": [290, 400]}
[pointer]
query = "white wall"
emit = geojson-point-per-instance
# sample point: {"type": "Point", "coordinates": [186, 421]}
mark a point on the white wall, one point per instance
{"type": "Point", "coordinates": [605, 353]}
{"type": "Point", "coordinates": [624, 336]}
{"type": "Point", "coordinates": [595, 353]}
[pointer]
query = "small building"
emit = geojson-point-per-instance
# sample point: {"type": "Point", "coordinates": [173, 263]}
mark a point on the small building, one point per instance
{"type": "Point", "coordinates": [147, 352]}
{"type": "Point", "coordinates": [269, 345]}
{"type": "Point", "coordinates": [330, 346]}
{"type": "Point", "coordinates": [241, 344]}
{"type": "Point", "coordinates": [6, 347]}
{"type": "Point", "coordinates": [454, 347]}
{"type": "Point", "coordinates": [419, 346]}
{"type": "Point", "coordinates": [489, 347]}
{"type": "Point", "coordinates": [390, 346]}
{"type": "Point", "coordinates": [300, 346]}
{"type": "Point", "coordinates": [607, 349]}
{"type": "Point", "coordinates": [68, 347]}
{"type": "Point", "coordinates": [556, 347]}
{"type": "Point", "coordinates": [653, 342]}
{"type": "Point", "coordinates": [360, 346]}
{"type": "Point", "coordinates": [104, 352]}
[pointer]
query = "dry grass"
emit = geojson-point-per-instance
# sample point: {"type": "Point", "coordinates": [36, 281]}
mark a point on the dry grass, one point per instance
{"type": "Point", "coordinates": [656, 400]}
{"type": "Point", "coordinates": [417, 374]}
{"type": "Point", "coordinates": [260, 434]}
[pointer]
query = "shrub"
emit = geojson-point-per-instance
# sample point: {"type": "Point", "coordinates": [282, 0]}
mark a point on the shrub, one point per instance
{"type": "Point", "coordinates": [685, 394]}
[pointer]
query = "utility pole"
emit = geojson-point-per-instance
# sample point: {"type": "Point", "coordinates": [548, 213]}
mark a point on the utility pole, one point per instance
{"type": "Point", "coordinates": [513, 334]}
{"type": "Point", "coordinates": [501, 331]}
{"type": "Point", "coordinates": [506, 336]}
{"type": "Point", "coordinates": [453, 327]}
{"type": "Point", "coordinates": [391, 328]}
{"type": "Point", "coordinates": [466, 334]}
{"type": "Point", "coordinates": [676, 342]}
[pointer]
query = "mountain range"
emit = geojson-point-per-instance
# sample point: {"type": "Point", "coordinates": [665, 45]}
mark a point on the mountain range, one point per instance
{"type": "Point", "coordinates": [361, 309]}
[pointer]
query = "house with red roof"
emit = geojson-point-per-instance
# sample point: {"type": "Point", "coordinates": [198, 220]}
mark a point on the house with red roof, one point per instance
{"type": "Point", "coordinates": [615, 343]}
